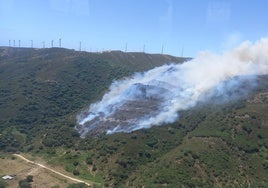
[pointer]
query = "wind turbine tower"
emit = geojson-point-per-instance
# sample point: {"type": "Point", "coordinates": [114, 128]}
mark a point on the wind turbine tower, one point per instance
{"type": "Point", "coordinates": [126, 48]}
{"type": "Point", "coordinates": [60, 42]}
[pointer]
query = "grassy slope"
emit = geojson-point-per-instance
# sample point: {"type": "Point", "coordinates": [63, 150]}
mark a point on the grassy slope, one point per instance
{"type": "Point", "coordinates": [220, 145]}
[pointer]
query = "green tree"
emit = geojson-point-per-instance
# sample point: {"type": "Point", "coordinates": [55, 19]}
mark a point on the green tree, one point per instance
{"type": "Point", "coordinates": [24, 184]}
{"type": "Point", "coordinates": [76, 172]}
{"type": "Point", "coordinates": [29, 178]}
{"type": "Point", "coordinates": [89, 161]}
{"type": "Point", "coordinates": [75, 163]}
{"type": "Point", "coordinates": [2, 184]}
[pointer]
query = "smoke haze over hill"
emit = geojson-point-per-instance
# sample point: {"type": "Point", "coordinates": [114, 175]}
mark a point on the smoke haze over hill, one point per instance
{"type": "Point", "coordinates": [155, 97]}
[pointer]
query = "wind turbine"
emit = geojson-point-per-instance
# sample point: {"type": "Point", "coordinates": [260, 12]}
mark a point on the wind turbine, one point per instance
{"type": "Point", "coordinates": [52, 44]}
{"type": "Point", "coordinates": [126, 48]}
{"type": "Point", "coordinates": [31, 43]}
{"type": "Point", "coordinates": [143, 48]}
{"type": "Point", "coordinates": [60, 42]}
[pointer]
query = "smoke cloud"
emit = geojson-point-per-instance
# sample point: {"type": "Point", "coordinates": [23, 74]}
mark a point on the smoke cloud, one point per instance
{"type": "Point", "coordinates": [155, 97]}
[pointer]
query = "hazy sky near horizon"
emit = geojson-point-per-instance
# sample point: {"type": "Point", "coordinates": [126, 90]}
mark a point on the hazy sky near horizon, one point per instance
{"type": "Point", "coordinates": [178, 25]}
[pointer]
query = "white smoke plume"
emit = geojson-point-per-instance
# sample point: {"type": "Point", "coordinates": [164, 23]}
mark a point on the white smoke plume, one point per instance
{"type": "Point", "coordinates": [155, 97]}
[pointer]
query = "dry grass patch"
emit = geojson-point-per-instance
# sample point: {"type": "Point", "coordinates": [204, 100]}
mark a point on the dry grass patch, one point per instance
{"type": "Point", "coordinates": [21, 169]}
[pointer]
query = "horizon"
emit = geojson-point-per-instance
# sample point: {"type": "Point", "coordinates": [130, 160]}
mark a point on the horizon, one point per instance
{"type": "Point", "coordinates": [178, 28]}
{"type": "Point", "coordinates": [78, 50]}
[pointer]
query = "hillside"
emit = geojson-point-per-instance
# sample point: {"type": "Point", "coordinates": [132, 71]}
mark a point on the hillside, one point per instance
{"type": "Point", "coordinates": [211, 145]}
{"type": "Point", "coordinates": [42, 89]}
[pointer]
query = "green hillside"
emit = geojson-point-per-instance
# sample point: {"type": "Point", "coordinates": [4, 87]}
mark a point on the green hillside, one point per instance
{"type": "Point", "coordinates": [212, 145]}
{"type": "Point", "coordinates": [44, 89]}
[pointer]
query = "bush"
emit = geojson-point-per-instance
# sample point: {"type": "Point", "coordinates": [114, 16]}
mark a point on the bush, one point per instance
{"type": "Point", "coordinates": [89, 161]}
{"type": "Point", "coordinates": [2, 184]}
{"type": "Point", "coordinates": [75, 163]}
{"type": "Point", "coordinates": [24, 184]}
{"type": "Point", "coordinates": [76, 172]}
{"type": "Point", "coordinates": [29, 178]}
{"type": "Point", "coordinates": [94, 167]}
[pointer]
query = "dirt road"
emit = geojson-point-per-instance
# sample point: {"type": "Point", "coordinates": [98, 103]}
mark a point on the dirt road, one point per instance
{"type": "Point", "coordinates": [54, 171]}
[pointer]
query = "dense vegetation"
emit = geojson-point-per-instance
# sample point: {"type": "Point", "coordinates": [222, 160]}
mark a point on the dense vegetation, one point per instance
{"type": "Point", "coordinates": [42, 90]}
{"type": "Point", "coordinates": [222, 145]}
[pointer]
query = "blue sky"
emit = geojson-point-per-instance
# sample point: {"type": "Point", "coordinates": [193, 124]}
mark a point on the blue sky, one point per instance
{"type": "Point", "coordinates": [179, 25]}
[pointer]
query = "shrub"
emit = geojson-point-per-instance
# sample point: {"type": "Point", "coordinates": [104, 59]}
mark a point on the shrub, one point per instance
{"type": "Point", "coordinates": [24, 184]}
{"type": "Point", "coordinates": [2, 184]}
{"type": "Point", "coordinates": [89, 161]}
{"type": "Point", "coordinates": [75, 163]}
{"type": "Point", "coordinates": [76, 172]}
{"type": "Point", "coordinates": [29, 178]}
{"type": "Point", "coordinates": [94, 167]}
